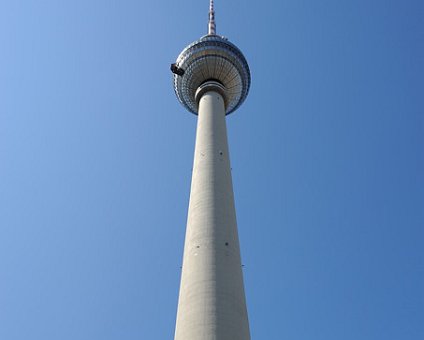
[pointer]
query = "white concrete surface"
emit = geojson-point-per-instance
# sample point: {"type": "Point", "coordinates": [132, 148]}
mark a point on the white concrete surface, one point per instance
{"type": "Point", "coordinates": [212, 302]}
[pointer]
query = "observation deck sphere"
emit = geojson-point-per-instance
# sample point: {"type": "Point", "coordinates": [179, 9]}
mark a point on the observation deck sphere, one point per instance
{"type": "Point", "coordinates": [212, 58]}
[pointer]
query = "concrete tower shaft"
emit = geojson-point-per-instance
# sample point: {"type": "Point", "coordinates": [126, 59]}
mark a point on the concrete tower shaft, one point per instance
{"type": "Point", "coordinates": [212, 302]}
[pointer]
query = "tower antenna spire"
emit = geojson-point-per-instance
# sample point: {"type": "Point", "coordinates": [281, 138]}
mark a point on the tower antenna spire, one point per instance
{"type": "Point", "coordinates": [211, 24]}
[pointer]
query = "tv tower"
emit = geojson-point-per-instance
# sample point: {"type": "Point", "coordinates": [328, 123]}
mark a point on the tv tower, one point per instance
{"type": "Point", "coordinates": [211, 79]}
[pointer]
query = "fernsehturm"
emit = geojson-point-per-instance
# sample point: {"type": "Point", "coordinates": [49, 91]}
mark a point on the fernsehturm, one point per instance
{"type": "Point", "coordinates": [211, 79]}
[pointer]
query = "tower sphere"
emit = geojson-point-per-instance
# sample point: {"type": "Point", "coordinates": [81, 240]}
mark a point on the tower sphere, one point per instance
{"type": "Point", "coordinates": [211, 58]}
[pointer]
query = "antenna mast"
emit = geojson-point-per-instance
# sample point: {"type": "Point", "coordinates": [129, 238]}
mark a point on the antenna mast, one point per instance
{"type": "Point", "coordinates": [211, 24]}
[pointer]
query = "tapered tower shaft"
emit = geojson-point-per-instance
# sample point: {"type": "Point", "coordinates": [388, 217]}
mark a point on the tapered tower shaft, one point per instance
{"type": "Point", "coordinates": [212, 302]}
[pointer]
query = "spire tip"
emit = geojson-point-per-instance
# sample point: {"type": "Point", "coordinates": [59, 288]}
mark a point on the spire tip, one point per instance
{"type": "Point", "coordinates": [211, 24]}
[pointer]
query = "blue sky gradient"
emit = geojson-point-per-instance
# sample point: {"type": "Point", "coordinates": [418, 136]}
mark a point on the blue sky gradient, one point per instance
{"type": "Point", "coordinates": [327, 156]}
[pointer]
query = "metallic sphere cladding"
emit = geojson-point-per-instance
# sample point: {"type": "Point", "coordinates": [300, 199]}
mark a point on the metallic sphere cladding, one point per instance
{"type": "Point", "coordinates": [212, 57]}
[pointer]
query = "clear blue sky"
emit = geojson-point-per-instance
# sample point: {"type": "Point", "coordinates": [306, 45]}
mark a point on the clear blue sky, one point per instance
{"type": "Point", "coordinates": [327, 155]}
